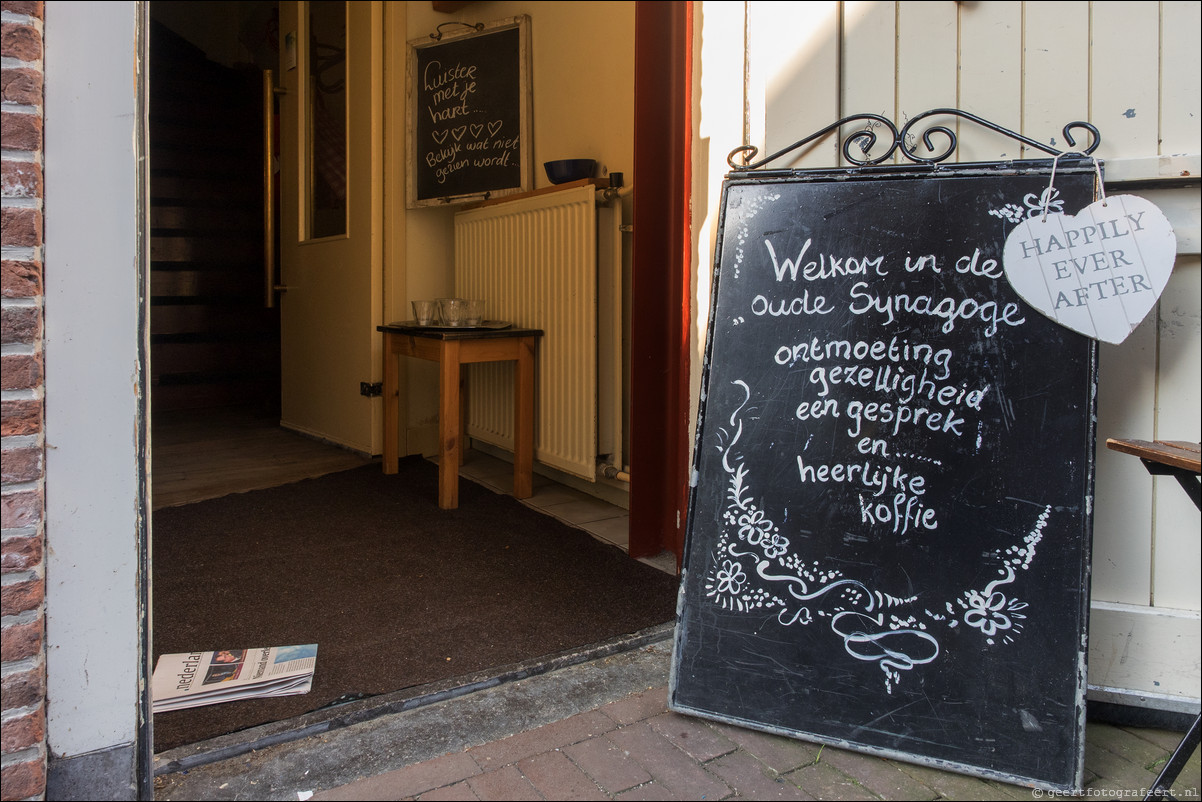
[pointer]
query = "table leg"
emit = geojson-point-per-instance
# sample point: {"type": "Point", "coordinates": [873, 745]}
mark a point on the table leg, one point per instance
{"type": "Point", "coordinates": [392, 404]}
{"type": "Point", "coordinates": [523, 427]}
{"type": "Point", "coordinates": [464, 393]}
{"type": "Point", "coordinates": [1163, 787]}
{"type": "Point", "coordinates": [449, 440]}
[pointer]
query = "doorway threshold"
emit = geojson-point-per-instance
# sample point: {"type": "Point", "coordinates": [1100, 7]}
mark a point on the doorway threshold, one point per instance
{"type": "Point", "coordinates": [606, 520]}
{"type": "Point", "coordinates": [347, 714]}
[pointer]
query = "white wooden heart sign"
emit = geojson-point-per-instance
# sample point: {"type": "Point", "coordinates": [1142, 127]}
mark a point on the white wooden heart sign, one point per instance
{"type": "Point", "coordinates": [1098, 272]}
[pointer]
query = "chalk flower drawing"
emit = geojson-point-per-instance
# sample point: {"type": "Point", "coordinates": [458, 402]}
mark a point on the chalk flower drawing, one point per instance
{"type": "Point", "coordinates": [730, 577]}
{"type": "Point", "coordinates": [986, 610]}
{"type": "Point", "coordinates": [991, 610]}
{"type": "Point", "coordinates": [775, 546]}
{"type": "Point", "coordinates": [754, 527]}
{"type": "Point", "coordinates": [1034, 206]}
{"type": "Point", "coordinates": [1048, 199]}
{"type": "Point", "coordinates": [874, 626]}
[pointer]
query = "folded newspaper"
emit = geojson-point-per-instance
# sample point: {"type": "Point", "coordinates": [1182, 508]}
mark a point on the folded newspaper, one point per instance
{"type": "Point", "coordinates": [194, 679]}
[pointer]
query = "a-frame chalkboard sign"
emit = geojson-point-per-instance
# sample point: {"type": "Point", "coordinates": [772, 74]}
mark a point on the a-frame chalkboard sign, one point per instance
{"type": "Point", "coordinates": [890, 517]}
{"type": "Point", "coordinates": [469, 113]}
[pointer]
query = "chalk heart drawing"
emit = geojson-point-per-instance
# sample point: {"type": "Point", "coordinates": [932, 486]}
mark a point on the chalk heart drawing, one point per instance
{"type": "Point", "coordinates": [1098, 272]}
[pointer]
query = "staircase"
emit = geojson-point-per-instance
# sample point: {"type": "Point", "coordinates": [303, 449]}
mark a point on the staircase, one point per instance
{"type": "Point", "coordinates": [213, 343]}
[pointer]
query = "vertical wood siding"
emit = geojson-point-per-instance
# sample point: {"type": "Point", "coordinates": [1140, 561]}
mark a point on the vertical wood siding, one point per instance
{"type": "Point", "coordinates": [1132, 69]}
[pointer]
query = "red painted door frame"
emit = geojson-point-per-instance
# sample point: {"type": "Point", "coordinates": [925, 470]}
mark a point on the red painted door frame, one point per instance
{"type": "Point", "coordinates": [660, 280]}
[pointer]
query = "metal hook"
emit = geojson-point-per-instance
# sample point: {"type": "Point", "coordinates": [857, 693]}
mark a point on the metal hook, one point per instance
{"type": "Point", "coordinates": [1047, 193]}
{"type": "Point", "coordinates": [866, 136]}
{"type": "Point", "coordinates": [437, 35]}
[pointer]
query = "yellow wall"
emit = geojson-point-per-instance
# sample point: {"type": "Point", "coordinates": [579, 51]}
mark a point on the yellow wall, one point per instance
{"type": "Point", "coordinates": [582, 76]}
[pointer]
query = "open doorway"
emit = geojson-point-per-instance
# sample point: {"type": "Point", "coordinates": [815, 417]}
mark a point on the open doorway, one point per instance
{"type": "Point", "coordinates": [215, 344]}
{"type": "Point", "coordinates": [216, 386]}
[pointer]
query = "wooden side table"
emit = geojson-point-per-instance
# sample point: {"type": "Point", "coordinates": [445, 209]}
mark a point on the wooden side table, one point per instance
{"type": "Point", "coordinates": [451, 348]}
{"type": "Point", "coordinates": [1181, 460]}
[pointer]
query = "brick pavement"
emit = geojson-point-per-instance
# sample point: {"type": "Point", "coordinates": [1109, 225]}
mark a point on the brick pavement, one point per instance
{"type": "Point", "coordinates": [635, 749]}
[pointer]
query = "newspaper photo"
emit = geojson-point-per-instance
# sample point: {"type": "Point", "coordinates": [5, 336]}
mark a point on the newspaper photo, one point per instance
{"type": "Point", "coordinates": [193, 679]}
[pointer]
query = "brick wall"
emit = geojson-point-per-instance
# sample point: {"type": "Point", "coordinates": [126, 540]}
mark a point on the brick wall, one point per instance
{"type": "Point", "coordinates": [23, 584]}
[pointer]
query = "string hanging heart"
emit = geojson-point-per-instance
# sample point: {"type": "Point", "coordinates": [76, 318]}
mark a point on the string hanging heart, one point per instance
{"type": "Point", "coordinates": [1099, 271]}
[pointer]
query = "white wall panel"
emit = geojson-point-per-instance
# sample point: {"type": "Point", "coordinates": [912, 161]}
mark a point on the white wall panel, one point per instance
{"type": "Point", "coordinates": [95, 469]}
{"type": "Point", "coordinates": [991, 63]}
{"type": "Point", "coordinates": [796, 65]}
{"type": "Point", "coordinates": [1122, 564]}
{"type": "Point", "coordinates": [719, 122]}
{"type": "Point", "coordinates": [1181, 88]}
{"type": "Point", "coordinates": [1133, 70]}
{"type": "Point", "coordinates": [1055, 81]}
{"type": "Point", "coordinates": [927, 63]}
{"type": "Point", "coordinates": [1122, 105]}
{"type": "Point", "coordinates": [1177, 547]}
{"type": "Point", "coordinates": [868, 59]}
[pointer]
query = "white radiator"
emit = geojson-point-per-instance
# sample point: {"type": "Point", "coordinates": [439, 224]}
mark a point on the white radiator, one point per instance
{"type": "Point", "coordinates": [534, 262]}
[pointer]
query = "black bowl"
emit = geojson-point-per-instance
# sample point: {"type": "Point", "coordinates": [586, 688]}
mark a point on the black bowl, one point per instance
{"type": "Point", "coordinates": [565, 170]}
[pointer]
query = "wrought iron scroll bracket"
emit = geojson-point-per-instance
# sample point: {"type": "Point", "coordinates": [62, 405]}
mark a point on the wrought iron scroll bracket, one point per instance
{"type": "Point", "coordinates": [905, 140]}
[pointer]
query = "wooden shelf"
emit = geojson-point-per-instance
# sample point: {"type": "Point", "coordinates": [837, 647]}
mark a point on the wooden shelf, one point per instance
{"type": "Point", "coordinates": [598, 183]}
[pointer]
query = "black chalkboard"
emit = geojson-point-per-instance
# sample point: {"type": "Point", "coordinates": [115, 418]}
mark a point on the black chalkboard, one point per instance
{"type": "Point", "coordinates": [469, 114]}
{"type": "Point", "coordinates": [889, 522]}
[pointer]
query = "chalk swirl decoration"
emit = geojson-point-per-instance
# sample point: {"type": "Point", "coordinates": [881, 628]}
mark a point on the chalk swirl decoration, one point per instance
{"type": "Point", "coordinates": [754, 569]}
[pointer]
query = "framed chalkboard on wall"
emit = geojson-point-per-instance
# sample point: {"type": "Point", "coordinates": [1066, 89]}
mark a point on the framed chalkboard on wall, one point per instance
{"type": "Point", "coordinates": [889, 524]}
{"type": "Point", "coordinates": [469, 113]}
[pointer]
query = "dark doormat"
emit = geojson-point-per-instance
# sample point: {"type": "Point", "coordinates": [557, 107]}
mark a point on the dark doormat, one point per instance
{"type": "Point", "coordinates": [395, 592]}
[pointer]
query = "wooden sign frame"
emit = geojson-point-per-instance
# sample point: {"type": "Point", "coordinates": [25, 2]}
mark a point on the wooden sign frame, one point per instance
{"type": "Point", "coordinates": [469, 113]}
{"type": "Point", "coordinates": [943, 619]}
